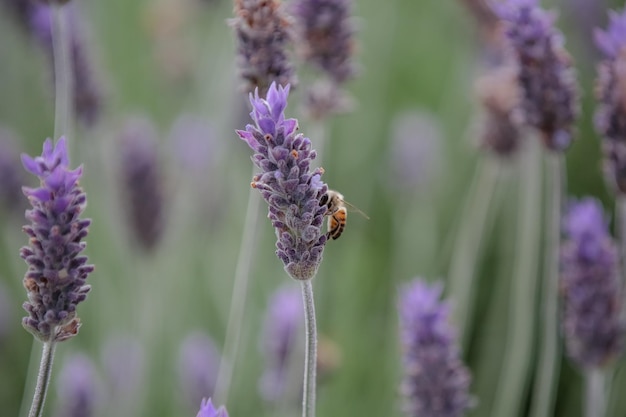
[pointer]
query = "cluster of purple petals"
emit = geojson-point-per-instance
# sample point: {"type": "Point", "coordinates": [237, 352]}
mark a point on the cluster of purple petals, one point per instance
{"type": "Point", "coordinates": [287, 183]}
{"type": "Point", "coordinates": [79, 388]}
{"type": "Point", "coordinates": [142, 182]}
{"type": "Point", "coordinates": [198, 365]}
{"type": "Point", "coordinates": [208, 410]}
{"type": "Point", "coordinates": [262, 35]}
{"type": "Point", "coordinates": [590, 284]}
{"type": "Point", "coordinates": [11, 174]}
{"type": "Point", "coordinates": [326, 35]}
{"type": "Point", "coordinates": [123, 365]}
{"type": "Point", "coordinates": [282, 325]}
{"type": "Point", "coordinates": [57, 272]}
{"type": "Point", "coordinates": [436, 383]}
{"type": "Point", "coordinates": [549, 101]}
{"type": "Point", "coordinates": [610, 118]}
{"type": "Point", "coordinates": [87, 94]}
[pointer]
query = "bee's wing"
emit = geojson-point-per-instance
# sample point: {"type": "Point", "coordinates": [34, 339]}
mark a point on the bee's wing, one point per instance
{"type": "Point", "coordinates": [356, 209]}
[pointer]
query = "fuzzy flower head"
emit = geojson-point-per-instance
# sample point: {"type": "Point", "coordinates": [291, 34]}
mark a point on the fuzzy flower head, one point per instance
{"type": "Point", "coordinates": [590, 284]}
{"type": "Point", "coordinates": [436, 383]}
{"type": "Point", "coordinates": [198, 365]}
{"type": "Point", "coordinates": [546, 77]}
{"type": "Point", "coordinates": [286, 182]}
{"type": "Point", "coordinates": [79, 388]}
{"type": "Point", "coordinates": [610, 118]}
{"type": "Point", "coordinates": [55, 280]}
{"type": "Point", "coordinates": [11, 174]}
{"type": "Point", "coordinates": [207, 410]}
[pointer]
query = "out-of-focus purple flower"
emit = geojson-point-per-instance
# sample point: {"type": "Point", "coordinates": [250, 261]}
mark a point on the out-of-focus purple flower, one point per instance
{"type": "Point", "coordinates": [610, 118]}
{"type": "Point", "coordinates": [123, 365]}
{"type": "Point", "coordinates": [207, 410]}
{"type": "Point", "coordinates": [325, 98]}
{"type": "Point", "coordinates": [11, 174]}
{"type": "Point", "coordinates": [20, 9]}
{"type": "Point", "coordinates": [87, 93]}
{"type": "Point", "coordinates": [194, 143]}
{"type": "Point", "coordinates": [78, 387]}
{"type": "Point", "coordinates": [262, 34]}
{"type": "Point", "coordinates": [326, 36]}
{"type": "Point", "coordinates": [282, 325]}
{"type": "Point", "coordinates": [142, 182]}
{"type": "Point", "coordinates": [436, 383]}
{"type": "Point", "coordinates": [287, 184]}
{"type": "Point", "coordinates": [590, 284]}
{"type": "Point", "coordinates": [549, 101]}
{"type": "Point", "coordinates": [55, 280]}
{"type": "Point", "coordinates": [198, 366]}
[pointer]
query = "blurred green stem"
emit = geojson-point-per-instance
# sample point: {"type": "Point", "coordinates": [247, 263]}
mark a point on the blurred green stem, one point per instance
{"type": "Point", "coordinates": [62, 72]}
{"type": "Point", "coordinates": [595, 400]}
{"type": "Point", "coordinates": [468, 244]}
{"type": "Point", "coordinates": [43, 379]}
{"type": "Point", "coordinates": [549, 362]}
{"type": "Point", "coordinates": [238, 299]}
{"type": "Point", "coordinates": [513, 381]}
{"type": "Point", "coordinates": [310, 353]}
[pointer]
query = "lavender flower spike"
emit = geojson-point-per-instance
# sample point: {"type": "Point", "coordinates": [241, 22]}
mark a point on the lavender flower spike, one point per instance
{"type": "Point", "coordinates": [610, 118]}
{"type": "Point", "coordinates": [286, 182]}
{"type": "Point", "coordinates": [55, 280]}
{"type": "Point", "coordinates": [207, 410]}
{"type": "Point", "coordinates": [545, 73]}
{"type": "Point", "coordinates": [436, 383]}
{"type": "Point", "coordinates": [590, 284]}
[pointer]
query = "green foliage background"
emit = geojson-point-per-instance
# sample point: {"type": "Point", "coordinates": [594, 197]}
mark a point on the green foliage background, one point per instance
{"type": "Point", "coordinates": [413, 55]}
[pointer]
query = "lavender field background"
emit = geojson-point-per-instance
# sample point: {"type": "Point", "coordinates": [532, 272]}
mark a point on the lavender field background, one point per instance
{"type": "Point", "coordinates": [166, 69]}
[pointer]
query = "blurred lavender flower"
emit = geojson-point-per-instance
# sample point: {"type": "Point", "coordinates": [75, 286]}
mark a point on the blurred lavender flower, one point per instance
{"type": "Point", "coordinates": [262, 31]}
{"type": "Point", "coordinates": [123, 361]}
{"type": "Point", "coordinates": [55, 280]}
{"type": "Point", "coordinates": [436, 383]}
{"type": "Point", "coordinates": [326, 34]}
{"type": "Point", "coordinates": [287, 184]}
{"type": "Point", "coordinates": [78, 387]}
{"type": "Point", "coordinates": [546, 76]}
{"type": "Point", "coordinates": [282, 325]}
{"type": "Point", "coordinates": [87, 94]}
{"type": "Point", "coordinates": [11, 174]}
{"type": "Point", "coordinates": [142, 182]}
{"type": "Point", "coordinates": [207, 410]}
{"type": "Point", "coordinates": [198, 365]}
{"type": "Point", "coordinates": [590, 283]}
{"type": "Point", "coordinates": [194, 143]}
{"type": "Point", "coordinates": [20, 9]}
{"type": "Point", "coordinates": [610, 118]}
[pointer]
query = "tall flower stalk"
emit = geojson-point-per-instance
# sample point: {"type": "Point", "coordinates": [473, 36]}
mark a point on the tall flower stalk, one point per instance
{"type": "Point", "coordinates": [294, 194]}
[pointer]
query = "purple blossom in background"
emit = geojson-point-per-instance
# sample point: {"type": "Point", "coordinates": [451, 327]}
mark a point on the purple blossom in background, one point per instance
{"type": "Point", "coordinates": [11, 174]}
{"type": "Point", "coordinates": [549, 101]}
{"type": "Point", "coordinates": [207, 410]}
{"type": "Point", "coordinates": [198, 366]}
{"type": "Point", "coordinates": [142, 182]}
{"type": "Point", "coordinates": [123, 366]}
{"type": "Point", "coordinates": [590, 284]}
{"type": "Point", "coordinates": [436, 383]}
{"type": "Point", "coordinates": [194, 143]}
{"type": "Point", "coordinates": [610, 118]}
{"type": "Point", "coordinates": [78, 387]}
{"type": "Point", "coordinates": [55, 280]}
{"type": "Point", "coordinates": [281, 329]}
{"type": "Point", "coordinates": [262, 35]}
{"type": "Point", "coordinates": [286, 183]}
{"type": "Point", "coordinates": [87, 94]}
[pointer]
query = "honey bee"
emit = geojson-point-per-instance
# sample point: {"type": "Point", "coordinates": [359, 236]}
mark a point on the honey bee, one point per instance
{"type": "Point", "coordinates": [337, 212]}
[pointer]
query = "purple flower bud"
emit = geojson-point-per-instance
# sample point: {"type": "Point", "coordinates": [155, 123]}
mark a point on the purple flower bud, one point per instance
{"type": "Point", "coordinates": [87, 94]}
{"type": "Point", "coordinates": [262, 31]}
{"type": "Point", "coordinates": [207, 410]}
{"type": "Point", "coordinates": [198, 365]}
{"type": "Point", "coordinates": [286, 183]}
{"type": "Point", "coordinates": [11, 174]}
{"type": "Point", "coordinates": [610, 118]}
{"type": "Point", "coordinates": [326, 36]}
{"type": "Point", "coordinates": [282, 325]}
{"type": "Point", "coordinates": [142, 182]}
{"type": "Point", "coordinates": [590, 284]}
{"type": "Point", "coordinates": [55, 280]}
{"type": "Point", "coordinates": [546, 76]}
{"type": "Point", "coordinates": [436, 383]}
{"type": "Point", "coordinates": [123, 360]}
{"type": "Point", "coordinates": [78, 387]}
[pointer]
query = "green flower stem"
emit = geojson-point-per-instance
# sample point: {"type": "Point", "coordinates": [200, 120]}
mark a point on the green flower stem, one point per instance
{"type": "Point", "coordinates": [62, 72]}
{"type": "Point", "coordinates": [550, 360]}
{"type": "Point", "coordinates": [238, 299]}
{"type": "Point", "coordinates": [310, 356]}
{"type": "Point", "coordinates": [513, 381]}
{"type": "Point", "coordinates": [595, 397]}
{"type": "Point", "coordinates": [43, 379]}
